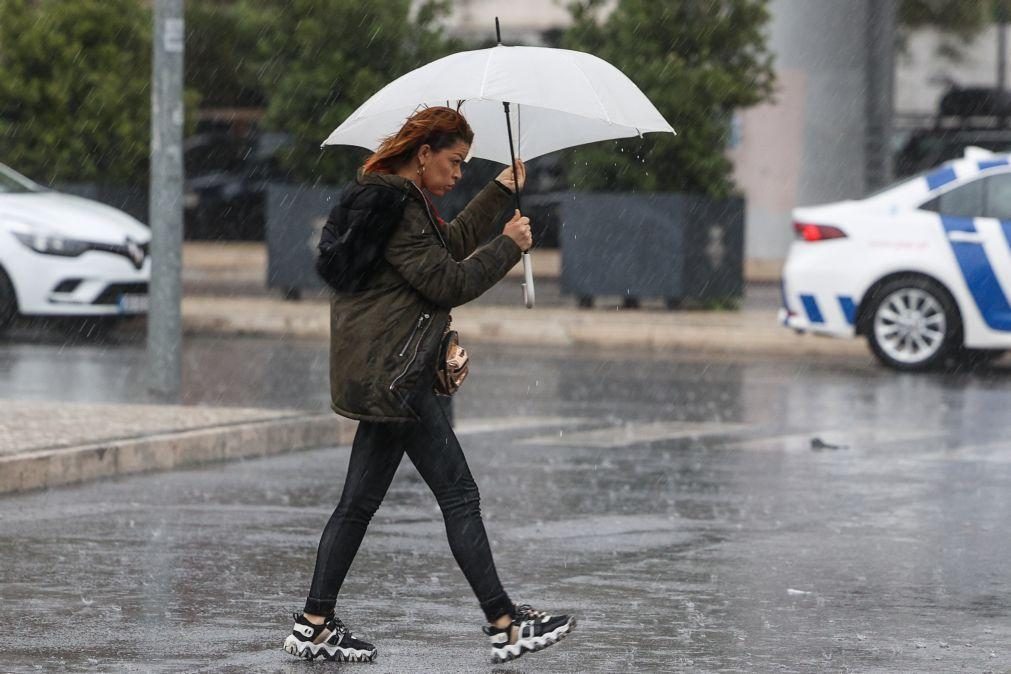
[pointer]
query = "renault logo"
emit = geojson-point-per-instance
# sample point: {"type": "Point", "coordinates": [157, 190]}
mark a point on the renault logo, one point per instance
{"type": "Point", "coordinates": [135, 252]}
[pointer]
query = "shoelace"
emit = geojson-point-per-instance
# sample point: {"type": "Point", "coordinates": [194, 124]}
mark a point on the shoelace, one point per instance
{"type": "Point", "coordinates": [528, 611]}
{"type": "Point", "coordinates": [332, 622]}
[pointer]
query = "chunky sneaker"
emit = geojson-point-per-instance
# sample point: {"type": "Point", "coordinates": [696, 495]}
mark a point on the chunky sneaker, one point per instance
{"type": "Point", "coordinates": [531, 630]}
{"type": "Point", "coordinates": [331, 641]}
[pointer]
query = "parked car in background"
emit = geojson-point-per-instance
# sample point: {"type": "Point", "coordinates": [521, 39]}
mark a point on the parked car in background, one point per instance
{"type": "Point", "coordinates": [63, 255]}
{"type": "Point", "coordinates": [226, 184]}
{"type": "Point", "coordinates": [966, 116]}
{"type": "Point", "coordinates": [925, 148]}
{"type": "Point", "coordinates": [921, 269]}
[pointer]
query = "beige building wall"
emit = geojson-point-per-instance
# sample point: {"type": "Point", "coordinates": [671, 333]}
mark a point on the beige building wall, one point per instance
{"type": "Point", "coordinates": [922, 77]}
{"type": "Point", "coordinates": [523, 21]}
{"type": "Point", "coordinates": [808, 145]}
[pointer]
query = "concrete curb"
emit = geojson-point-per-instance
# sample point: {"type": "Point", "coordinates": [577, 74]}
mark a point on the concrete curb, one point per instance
{"type": "Point", "coordinates": [750, 332]}
{"type": "Point", "coordinates": [71, 465]}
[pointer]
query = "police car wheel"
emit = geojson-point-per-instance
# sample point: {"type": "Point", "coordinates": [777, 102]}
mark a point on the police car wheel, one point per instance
{"type": "Point", "coordinates": [913, 324]}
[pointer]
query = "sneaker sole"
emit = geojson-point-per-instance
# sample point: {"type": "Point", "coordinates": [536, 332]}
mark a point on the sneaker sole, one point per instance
{"type": "Point", "coordinates": [532, 644]}
{"type": "Point", "coordinates": [312, 651]}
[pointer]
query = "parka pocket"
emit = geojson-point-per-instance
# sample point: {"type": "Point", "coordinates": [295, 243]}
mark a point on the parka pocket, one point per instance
{"type": "Point", "coordinates": [417, 336]}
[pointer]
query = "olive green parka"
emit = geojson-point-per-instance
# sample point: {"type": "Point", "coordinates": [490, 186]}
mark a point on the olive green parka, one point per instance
{"type": "Point", "coordinates": [385, 338]}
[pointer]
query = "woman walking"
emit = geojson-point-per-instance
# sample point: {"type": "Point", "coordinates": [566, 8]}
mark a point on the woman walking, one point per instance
{"type": "Point", "coordinates": [398, 269]}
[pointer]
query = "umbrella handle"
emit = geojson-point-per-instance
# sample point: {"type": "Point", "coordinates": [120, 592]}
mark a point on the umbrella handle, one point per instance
{"type": "Point", "coordinates": [528, 286]}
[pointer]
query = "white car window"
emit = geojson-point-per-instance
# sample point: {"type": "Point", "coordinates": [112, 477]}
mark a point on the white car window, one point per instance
{"type": "Point", "coordinates": [965, 201]}
{"type": "Point", "coordinates": [998, 196]}
{"type": "Point", "coordinates": [12, 182]}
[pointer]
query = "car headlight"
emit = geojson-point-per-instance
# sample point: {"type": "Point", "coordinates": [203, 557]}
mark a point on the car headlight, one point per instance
{"type": "Point", "coordinates": [52, 245]}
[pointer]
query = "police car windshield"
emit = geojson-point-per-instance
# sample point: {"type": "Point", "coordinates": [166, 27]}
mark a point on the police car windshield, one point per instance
{"type": "Point", "coordinates": [12, 182]}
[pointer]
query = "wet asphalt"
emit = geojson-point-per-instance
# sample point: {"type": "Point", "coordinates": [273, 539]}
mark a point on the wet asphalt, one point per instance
{"type": "Point", "coordinates": [733, 515]}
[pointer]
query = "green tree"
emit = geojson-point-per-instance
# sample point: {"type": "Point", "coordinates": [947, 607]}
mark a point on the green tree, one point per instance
{"type": "Point", "coordinates": [958, 21]}
{"type": "Point", "coordinates": [320, 59]}
{"type": "Point", "coordinates": [221, 53]}
{"type": "Point", "coordinates": [698, 61]}
{"type": "Point", "coordinates": [74, 88]}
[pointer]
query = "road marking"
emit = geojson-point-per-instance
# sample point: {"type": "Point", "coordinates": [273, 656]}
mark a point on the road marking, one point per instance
{"type": "Point", "coordinates": [632, 433]}
{"type": "Point", "coordinates": [848, 438]}
{"type": "Point", "coordinates": [520, 423]}
{"type": "Point", "coordinates": [987, 452]}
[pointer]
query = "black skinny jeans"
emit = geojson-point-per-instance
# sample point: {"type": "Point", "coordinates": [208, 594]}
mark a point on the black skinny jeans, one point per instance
{"type": "Point", "coordinates": [433, 448]}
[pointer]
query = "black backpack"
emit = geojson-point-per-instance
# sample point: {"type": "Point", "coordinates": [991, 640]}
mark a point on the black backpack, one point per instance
{"type": "Point", "coordinates": [355, 234]}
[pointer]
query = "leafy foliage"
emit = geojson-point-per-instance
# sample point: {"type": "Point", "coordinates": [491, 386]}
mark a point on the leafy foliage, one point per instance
{"type": "Point", "coordinates": [221, 46]}
{"type": "Point", "coordinates": [74, 88]}
{"type": "Point", "coordinates": [698, 61]}
{"type": "Point", "coordinates": [321, 59]}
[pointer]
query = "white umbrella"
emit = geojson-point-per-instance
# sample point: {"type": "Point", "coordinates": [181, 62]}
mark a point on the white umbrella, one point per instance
{"type": "Point", "coordinates": [561, 98]}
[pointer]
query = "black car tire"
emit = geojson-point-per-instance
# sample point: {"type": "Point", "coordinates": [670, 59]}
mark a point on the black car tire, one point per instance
{"type": "Point", "coordinates": [8, 301]}
{"type": "Point", "coordinates": [917, 298]}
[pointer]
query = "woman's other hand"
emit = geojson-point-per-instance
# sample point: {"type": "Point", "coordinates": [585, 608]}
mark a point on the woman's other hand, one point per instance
{"type": "Point", "coordinates": [518, 229]}
{"type": "Point", "coordinates": [507, 179]}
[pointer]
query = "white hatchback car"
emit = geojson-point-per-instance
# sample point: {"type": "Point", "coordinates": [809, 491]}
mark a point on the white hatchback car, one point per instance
{"type": "Point", "coordinates": [922, 268]}
{"type": "Point", "coordinates": [62, 255]}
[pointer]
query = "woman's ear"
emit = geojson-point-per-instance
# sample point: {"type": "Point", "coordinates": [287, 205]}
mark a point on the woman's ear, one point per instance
{"type": "Point", "coordinates": [424, 153]}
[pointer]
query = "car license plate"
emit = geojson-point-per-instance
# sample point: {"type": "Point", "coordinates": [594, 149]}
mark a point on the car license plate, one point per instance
{"type": "Point", "coordinates": [133, 304]}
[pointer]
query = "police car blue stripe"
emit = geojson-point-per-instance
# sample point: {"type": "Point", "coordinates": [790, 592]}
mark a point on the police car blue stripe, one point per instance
{"type": "Point", "coordinates": [811, 307]}
{"type": "Point", "coordinates": [941, 176]}
{"type": "Point", "coordinates": [992, 163]}
{"type": "Point", "coordinates": [849, 308]}
{"type": "Point", "coordinates": [979, 276]}
{"type": "Point", "coordinates": [1006, 226]}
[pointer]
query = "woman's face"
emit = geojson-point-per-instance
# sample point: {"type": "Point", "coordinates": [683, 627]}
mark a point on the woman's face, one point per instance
{"type": "Point", "coordinates": [443, 168]}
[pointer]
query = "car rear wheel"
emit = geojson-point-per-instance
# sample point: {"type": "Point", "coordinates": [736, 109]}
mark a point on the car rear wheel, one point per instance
{"type": "Point", "coordinates": [8, 302]}
{"type": "Point", "coordinates": [913, 324]}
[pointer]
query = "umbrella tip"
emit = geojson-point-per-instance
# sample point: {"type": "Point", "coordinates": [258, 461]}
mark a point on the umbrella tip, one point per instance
{"type": "Point", "coordinates": [498, 31]}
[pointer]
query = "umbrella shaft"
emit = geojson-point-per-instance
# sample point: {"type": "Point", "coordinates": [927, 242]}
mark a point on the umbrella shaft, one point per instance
{"type": "Point", "coordinates": [512, 155]}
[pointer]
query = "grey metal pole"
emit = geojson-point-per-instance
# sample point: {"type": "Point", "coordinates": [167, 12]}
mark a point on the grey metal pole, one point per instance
{"type": "Point", "coordinates": [164, 325]}
{"type": "Point", "coordinates": [880, 73]}
{"type": "Point", "coordinates": [1002, 56]}
{"type": "Point", "coordinates": [1002, 63]}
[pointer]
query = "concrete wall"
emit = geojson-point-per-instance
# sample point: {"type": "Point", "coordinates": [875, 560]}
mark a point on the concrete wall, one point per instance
{"type": "Point", "coordinates": [808, 146]}
{"type": "Point", "coordinates": [921, 76]}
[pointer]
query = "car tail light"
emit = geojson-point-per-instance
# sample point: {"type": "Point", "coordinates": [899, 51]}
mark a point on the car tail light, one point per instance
{"type": "Point", "coordinates": [810, 232]}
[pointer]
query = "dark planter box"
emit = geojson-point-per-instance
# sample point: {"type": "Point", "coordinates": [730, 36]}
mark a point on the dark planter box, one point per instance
{"type": "Point", "coordinates": [675, 247]}
{"type": "Point", "coordinates": [295, 217]}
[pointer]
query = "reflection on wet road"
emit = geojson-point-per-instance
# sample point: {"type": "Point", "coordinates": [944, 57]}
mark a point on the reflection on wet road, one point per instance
{"type": "Point", "coordinates": [752, 515]}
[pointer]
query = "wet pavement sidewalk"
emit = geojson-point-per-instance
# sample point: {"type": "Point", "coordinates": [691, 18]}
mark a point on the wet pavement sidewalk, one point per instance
{"type": "Point", "coordinates": [43, 443]}
{"type": "Point", "coordinates": [50, 443]}
{"type": "Point", "coordinates": [680, 507]}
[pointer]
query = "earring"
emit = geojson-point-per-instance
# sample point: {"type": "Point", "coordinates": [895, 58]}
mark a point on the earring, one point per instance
{"type": "Point", "coordinates": [421, 170]}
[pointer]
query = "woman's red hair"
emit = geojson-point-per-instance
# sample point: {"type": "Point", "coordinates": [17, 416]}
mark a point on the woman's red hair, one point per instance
{"type": "Point", "coordinates": [439, 127]}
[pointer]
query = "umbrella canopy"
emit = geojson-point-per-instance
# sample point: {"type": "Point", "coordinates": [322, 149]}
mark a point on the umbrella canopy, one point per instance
{"type": "Point", "coordinates": [560, 98]}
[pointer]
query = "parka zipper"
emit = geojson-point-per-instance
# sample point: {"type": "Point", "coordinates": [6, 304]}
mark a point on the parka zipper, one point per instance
{"type": "Point", "coordinates": [421, 319]}
{"type": "Point", "coordinates": [414, 356]}
{"type": "Point", "coordinates": [431, 218]}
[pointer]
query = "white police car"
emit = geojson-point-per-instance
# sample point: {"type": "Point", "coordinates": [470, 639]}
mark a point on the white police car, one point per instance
{"type": "Point", "coordinates": [922, 269]}
{"type": "Point", "coordinates": [61, 255]}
